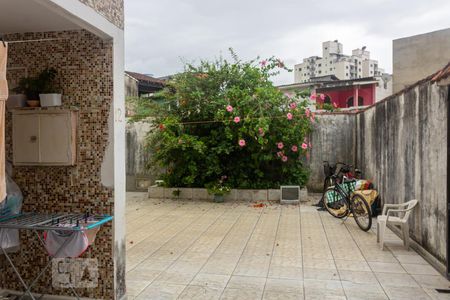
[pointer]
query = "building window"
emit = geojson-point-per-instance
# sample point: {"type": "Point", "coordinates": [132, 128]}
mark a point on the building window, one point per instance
{"type": "Point", "coordinates": [320, 72]}
{"type": "Point", "coordinates": [346, 74]}
{"type": "Point", "coordinates": [350, 101]}
{"type": "Point", "coordinates": [331, 69]}
{"type": "Point", "coordinates": [360, 69]}
{"type": "Point", "coordinates": [346, 67]}
{"type": "Point", "coordinates": [359, 62]}
{"type": "Point", "coordinates": [299, 69]}
{"type": "Point", "coordinates": [331, 62]}
{"type": "Point", "coordinates": [320, 65]}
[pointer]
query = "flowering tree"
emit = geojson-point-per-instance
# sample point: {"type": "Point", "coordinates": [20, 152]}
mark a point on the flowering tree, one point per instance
{"type": "Point", "coordinates": [226, 119]}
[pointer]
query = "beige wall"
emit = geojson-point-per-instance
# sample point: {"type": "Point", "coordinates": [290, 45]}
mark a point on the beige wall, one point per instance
{"type": "Point", "coordinates": [84, 65]}
{"type": "Point", "coordinates": [112, 10]}
{"type": "Point", "coordinates": [419, 56]}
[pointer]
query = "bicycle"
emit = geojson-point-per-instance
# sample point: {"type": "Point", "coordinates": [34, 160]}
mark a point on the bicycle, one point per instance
{"type": "Point", "coordinates": [340, 201]}
{"type": "Point", "coordinates": [330, 170]}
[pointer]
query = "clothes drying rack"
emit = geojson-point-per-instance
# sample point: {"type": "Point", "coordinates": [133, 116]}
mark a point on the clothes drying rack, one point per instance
{"type": "Point", "coordinates": [42, 222]}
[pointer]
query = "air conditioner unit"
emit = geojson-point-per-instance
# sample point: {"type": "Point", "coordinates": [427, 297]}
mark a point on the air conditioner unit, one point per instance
{"type": "Point", "coordinates": [289, 194]}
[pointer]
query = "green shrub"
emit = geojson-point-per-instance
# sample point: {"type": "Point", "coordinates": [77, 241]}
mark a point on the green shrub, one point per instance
{"type": "Point", "coordinates": [225, 118]}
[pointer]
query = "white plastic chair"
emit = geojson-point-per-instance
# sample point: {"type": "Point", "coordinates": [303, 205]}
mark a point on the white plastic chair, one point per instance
{"type": "Point", "coordinates": [387, 218]}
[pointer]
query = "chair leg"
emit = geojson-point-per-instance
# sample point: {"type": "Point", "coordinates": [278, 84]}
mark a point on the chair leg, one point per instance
{"type": "Point", "coordinates": [382, 229]}
{"type": "Point", "coordinates": [405, 230]}
{"type": "Point", "coordinates": [378, 232]}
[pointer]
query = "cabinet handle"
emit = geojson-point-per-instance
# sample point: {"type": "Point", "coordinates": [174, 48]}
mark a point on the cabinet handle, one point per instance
{"type": "Point", "coordinates": [33, 139]}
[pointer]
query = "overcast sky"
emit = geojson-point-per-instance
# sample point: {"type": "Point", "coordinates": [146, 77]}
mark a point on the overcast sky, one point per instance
{"type": "Point", "coordinates": [160, 35]}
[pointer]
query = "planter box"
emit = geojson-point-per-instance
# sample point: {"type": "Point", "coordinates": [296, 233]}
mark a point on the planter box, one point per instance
{"type": "Point", "coordinates": [304, 195]}
{"type": "Point", "coordinates": [156, 192]}
{"type": "Point", "coordinates": [234, 195]}
{"type": "Point", "coordinates": [273, 195]}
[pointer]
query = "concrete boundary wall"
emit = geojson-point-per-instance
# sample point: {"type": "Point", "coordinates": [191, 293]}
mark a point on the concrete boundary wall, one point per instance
{"type": "Point", "coordinates": [402, 148]}
{"type": "Point", "coordinates": [400, 144]}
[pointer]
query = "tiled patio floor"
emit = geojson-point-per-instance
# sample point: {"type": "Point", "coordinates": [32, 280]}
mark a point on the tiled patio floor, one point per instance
{"type": "Point", "coordinates": [201, 250]}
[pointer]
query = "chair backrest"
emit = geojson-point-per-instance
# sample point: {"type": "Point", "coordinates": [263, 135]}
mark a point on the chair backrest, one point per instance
{"type": "Point", "coordinates": [409, 208]}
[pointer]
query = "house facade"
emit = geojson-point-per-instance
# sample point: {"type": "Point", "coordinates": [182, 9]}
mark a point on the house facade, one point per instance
{"type": "Point", "coordinates": [83, 41]}
{"type": "Point", "coordinates": [342, 94]}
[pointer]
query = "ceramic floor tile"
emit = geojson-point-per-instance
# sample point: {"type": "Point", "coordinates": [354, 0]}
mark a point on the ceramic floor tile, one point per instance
{"type": "Point", "coordinates": [241, 294]}
{"type": "Point", "coordinates": [416, 269]}
{"type": "Point", "coordinates": [406, 293]}
{"type": "Point", "coordinates": [244, 282]}
{"type": "Point", "coordinates": [398, 280]}
{"type": "Point", "coordinates": [200, 293]}
{"type": "Point", "coordinates": [210, 280]}
{"type": "Point", "coordinates": [284, 286]}
{"type": "Point", "coordinates": [357, 276]}
{"type": "Point", "coordinates": [386, 267]}
{"type": "Point", "coordinates": [274, 295]}
{"type": "Point", "coordinates": [190, 250]}
{"type": "Point", "coordinates": [432, 281]}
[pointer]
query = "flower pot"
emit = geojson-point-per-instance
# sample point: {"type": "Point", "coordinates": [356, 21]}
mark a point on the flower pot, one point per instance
{"type": "Point", "coordinates": [50, 100]}
{"type": "Point", "coordinates": [218, 198]}
{"type": "Point", "coordinates": [15, 101]}
{"type": "Point", "coordinates": [33, 103]}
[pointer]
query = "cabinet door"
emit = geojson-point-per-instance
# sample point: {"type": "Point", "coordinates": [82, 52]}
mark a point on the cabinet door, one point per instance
{"type": "Point", "coordinates": [55, 138]}
{"type": "Point", "coordinates": [26, 139]}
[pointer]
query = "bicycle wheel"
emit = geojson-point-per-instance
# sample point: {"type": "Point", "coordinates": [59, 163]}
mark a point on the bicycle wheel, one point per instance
{"type": "Point", "coordinates": [361, 212]}
{"type": "Point", "coordinates": [326, 184]}
{"type": "Point", "coordinates": [335, 203]}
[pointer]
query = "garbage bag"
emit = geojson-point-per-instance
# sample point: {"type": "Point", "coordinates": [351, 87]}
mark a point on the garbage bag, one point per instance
{"type": "Point", "coordinates": [9, 238]}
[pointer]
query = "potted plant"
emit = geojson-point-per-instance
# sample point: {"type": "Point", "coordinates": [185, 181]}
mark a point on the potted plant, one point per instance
{"type": "Point", "coordinates": [43, 87]}
{"type": "Point", "coordinates": [30, 87]}
{"type": "Point", "coordinates": [218, 189]}
{"type": "Point", "coordinates": [49, 92]}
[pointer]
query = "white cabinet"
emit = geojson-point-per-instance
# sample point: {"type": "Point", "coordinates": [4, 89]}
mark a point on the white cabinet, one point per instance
{"type": "Point", "coordinates": [44, 137]}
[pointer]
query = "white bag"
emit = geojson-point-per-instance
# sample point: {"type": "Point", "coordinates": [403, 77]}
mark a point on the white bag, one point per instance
{"type": "Point", "coordinates": [9, 238]}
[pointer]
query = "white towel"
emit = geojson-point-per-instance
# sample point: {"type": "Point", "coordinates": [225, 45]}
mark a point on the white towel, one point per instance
{"type": "Point", "coordinates": [75, 243]}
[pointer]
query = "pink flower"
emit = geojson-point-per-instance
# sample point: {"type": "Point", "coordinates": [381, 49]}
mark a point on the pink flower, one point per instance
{"type": "Point", "coordinates": [237, 120]}
{"type": "Point", "coordinates": [313, 96]}
{"type": "Point", "coordinates": [288, 95]}
{"type": "Point", "coordinates": [263, 63]}
{"type": "Point", "coordinates": [322, 96]}
{"type": "Point", "coordinates": [242, 143]}
{"type": "Point", "coordinates": [280, 63]}
{"type": "Point", "coordinates": [293, 105]}
{"type": "Point", "coordinates": [335, 105]}
{"type": "Point", "coordinates": [304, 146]}
{"type": "Point", "coordinates": [289, 116]}
{"type": "Point", "coordinates": [294, 148]}
{"type": "Point", "coordinates": [229, 108]}
{"type": "Point", "coordinates": [280, 153]}
{"type": "Point", "coordinates": [261, 131]}
{"type": "Point", "coordinates": [284, 158]}
{"type": "Point", "coordinates": [280, 145]}
{"type": "Point", "coordinates": [307, 112]}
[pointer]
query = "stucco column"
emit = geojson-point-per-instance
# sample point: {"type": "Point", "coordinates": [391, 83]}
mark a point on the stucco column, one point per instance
{"type": "Point", "coordinates": [355, 95]}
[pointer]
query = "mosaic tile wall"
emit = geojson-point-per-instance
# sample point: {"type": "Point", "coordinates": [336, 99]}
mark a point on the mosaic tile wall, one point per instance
{"type": "Point", "coordinates": [112, 10]}
{"type": "Point", "coordinates": [84, 64]}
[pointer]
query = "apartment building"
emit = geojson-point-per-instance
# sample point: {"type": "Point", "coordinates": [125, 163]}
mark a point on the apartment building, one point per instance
{"type": "Point", "coordinates": [335, 62]}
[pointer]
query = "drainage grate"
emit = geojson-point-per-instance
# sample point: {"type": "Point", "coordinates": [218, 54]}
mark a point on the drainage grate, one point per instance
{"type": "Point", "coordinates": [443, 291]}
